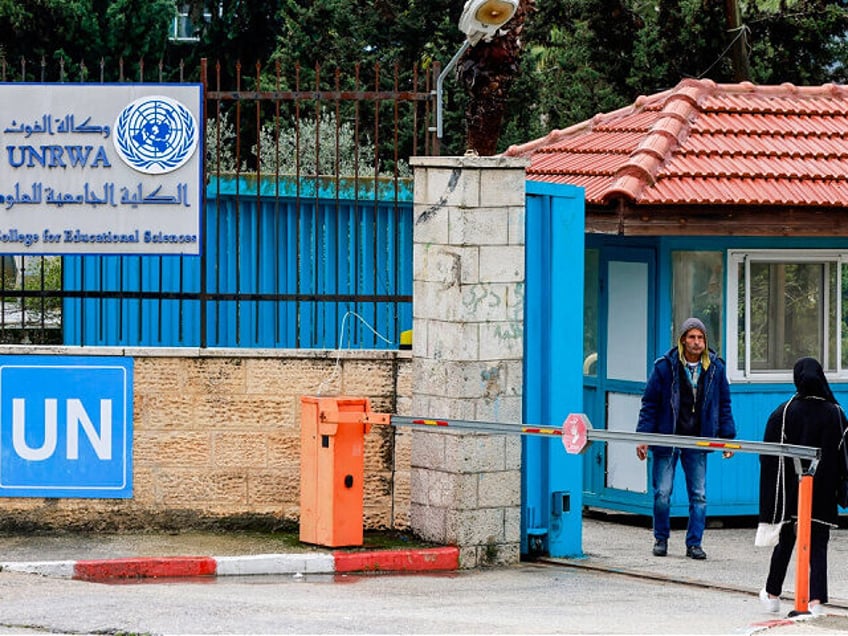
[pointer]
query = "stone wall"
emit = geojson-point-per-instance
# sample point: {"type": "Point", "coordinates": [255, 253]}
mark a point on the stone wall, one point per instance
{"type": "Point", "coordinates": [217, 440]}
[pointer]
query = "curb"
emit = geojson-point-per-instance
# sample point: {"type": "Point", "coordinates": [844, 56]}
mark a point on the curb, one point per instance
{"type": "Point", "coordinates": [420, 560]}
{"type": "Point", "coordinates": [380, 561]}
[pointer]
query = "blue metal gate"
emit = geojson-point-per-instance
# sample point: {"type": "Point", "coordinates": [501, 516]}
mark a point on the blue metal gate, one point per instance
{"type": "Point", "coordinates": [552, 481]}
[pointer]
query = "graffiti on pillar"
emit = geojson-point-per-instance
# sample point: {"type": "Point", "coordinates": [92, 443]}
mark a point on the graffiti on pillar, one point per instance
{"type": "Point", "coordinates": [477, 296]}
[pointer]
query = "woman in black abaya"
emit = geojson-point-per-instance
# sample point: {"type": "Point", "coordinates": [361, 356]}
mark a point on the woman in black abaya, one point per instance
{"type": "Point", "coordinates": [811, 417]}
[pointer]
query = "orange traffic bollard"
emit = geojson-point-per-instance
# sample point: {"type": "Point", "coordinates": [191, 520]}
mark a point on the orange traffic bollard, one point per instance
{"type": "Point", "coordinates": [332, 434]}
{"type": "Point", "coordinates": [802, 544]}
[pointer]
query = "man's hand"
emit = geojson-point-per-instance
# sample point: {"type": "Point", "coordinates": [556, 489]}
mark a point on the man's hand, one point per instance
{"type": "Point", "coordinates": [727, 454]}
{"type": "Point", "coordinates": [642, 451]}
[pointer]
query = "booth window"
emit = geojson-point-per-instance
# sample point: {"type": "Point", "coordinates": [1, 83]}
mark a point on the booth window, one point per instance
{"type": "Point", "coordinates": [698, 290]}
{"type": "Point", "coordinates": [785, 305]}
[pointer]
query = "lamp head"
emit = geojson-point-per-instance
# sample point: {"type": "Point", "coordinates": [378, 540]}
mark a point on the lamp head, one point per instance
{"type": "Point", "coordinates": [482, 18]}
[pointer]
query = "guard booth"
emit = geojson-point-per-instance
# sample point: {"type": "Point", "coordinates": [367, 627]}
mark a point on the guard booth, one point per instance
{"type": "Point", "coordinates": [697, 203]}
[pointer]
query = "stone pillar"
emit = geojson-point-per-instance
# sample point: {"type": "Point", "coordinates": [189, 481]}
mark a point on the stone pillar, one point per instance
{"type": "Point", "coordinates": [468, 310]}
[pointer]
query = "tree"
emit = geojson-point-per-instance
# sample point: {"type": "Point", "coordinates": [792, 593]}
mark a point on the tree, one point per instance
{"type": "Point", "coordinates": [692, 43]}
{"type": "Point", "coordinates": [804, 44]}
{"type": "Point", "coordinates": [378, 46]}
{"type": "Point", "coordinates": [590, 56]}
{"type": "Point", "coordinates": [136, 29]}
{"type": "Point", "coordinates": [333, 33]}
{"type": "Point", "coordinates": [580, 55]}
{"type": "Point", "coordinates": [564, 61]}
{"type": "Point", "coordinates": [79, 34]}
{"type": "Point", "coordinates": [408, 35]}
{"type": "Point", "coordinates": [487, 71]}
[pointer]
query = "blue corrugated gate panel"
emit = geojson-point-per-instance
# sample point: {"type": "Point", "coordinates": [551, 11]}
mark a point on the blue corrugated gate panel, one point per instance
{"type": "Point", "coordinates": [552, 480]}
{"type": "Point", "coordinates": [279, 243]}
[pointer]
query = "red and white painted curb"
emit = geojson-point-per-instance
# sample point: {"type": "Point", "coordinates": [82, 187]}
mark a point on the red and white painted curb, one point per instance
{"type": "Point", "coordinates": [415, 560]}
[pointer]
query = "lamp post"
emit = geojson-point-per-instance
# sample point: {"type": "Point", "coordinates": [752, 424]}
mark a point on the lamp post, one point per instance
{"type": "Point", "coordinates": [481, 19]}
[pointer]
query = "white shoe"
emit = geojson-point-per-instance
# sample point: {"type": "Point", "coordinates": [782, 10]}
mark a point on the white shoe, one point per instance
{"type": "Point", "coordinates": [817, 609]}
{"type": "Point", "coordinates": [770, 604]}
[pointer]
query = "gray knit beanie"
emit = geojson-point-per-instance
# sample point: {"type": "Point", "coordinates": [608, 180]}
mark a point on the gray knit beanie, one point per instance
{"type": "Point", "coordinates": [692, 323]}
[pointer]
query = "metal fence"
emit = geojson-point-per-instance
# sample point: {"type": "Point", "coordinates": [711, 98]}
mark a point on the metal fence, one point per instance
{"type": "Point", "coordinates": [307, 222]}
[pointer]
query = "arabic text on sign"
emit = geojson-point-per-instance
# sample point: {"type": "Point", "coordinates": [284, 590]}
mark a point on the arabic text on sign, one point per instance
{"type": "Point", "coordinates": [50, 125]}
{"type": "Point", "coordinates": [38, 193]}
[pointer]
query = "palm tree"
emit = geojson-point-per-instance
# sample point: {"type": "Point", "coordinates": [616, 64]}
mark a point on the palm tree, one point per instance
{"type": "Point", "coordinates": [486, 71]}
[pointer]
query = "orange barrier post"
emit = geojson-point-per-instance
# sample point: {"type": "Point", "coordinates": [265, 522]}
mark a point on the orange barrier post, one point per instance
{"type": "Point", "coordinates": [802, 544]}
{"type": "Point", "coordinates": [332, 432]}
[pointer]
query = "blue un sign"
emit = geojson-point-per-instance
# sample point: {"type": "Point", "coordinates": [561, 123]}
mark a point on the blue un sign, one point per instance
{"type": "Point", "coordinates": [65, 427]}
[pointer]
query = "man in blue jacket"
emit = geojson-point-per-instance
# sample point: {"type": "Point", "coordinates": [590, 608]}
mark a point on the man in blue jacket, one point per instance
{"type": "Point", "coordinates": [687, 394]}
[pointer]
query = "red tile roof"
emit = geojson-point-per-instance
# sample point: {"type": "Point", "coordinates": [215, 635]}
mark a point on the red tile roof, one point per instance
{"type": "Point", "coordinates": [703, 143]}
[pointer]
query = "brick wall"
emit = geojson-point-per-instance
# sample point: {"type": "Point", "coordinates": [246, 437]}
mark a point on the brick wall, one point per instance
{"type": "Point", "coordinates": [217, 438]}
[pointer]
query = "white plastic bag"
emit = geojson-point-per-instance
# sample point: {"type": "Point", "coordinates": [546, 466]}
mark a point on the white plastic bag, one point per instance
{"type": "Point", "coordinates": [768, 534]}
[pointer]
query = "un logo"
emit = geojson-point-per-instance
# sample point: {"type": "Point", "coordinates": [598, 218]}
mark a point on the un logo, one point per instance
{"type": "Point", "coordinates": [155, 134]}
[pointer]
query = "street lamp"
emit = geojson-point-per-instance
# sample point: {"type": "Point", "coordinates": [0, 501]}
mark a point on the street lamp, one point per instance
{"type": "Point", "coordinates": [480, 20]}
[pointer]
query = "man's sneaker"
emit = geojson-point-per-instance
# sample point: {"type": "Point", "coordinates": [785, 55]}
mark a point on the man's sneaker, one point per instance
{"type": "Point", "coordinates": [695, 552]}
{"type": "Point", "coordinates": [660, 547]}
{"type": "Point", "coordinates": [817, 610]}
{"type": "Point", "coordinates": [769, 604]}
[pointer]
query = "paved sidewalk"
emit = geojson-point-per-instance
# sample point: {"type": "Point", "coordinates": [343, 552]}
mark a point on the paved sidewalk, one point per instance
{"type": "Point", "coordinates": [623, 543]}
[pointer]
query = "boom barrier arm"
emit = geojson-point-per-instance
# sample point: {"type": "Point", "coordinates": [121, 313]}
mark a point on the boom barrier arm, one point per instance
{"type": "Point", "coordinates": [708, 443]}
{"type": "Point", "coordinates": [591, 434]}
{"type": "Point", "coordinates": [576, 432]}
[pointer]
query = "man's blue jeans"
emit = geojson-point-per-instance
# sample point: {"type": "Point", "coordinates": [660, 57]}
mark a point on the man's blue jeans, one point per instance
{"type": "Point", "coordinates": [694, 464]}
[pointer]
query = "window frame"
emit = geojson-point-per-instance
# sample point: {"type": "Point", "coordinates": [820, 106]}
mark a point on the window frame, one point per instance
{"type": "Point", "coordinates": [741, 259]}
{"type": "Point", "coordinates": [182, 18]}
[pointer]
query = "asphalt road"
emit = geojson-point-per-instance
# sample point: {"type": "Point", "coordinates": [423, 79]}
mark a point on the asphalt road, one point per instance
{"type": "Point", "coordinates": [525, 599]}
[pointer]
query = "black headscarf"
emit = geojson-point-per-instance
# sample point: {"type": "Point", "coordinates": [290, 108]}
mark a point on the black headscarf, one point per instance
{"type": "Point", "coordinates": [812, 418]}
{"type": "Point", "coordinates": [810, 380]}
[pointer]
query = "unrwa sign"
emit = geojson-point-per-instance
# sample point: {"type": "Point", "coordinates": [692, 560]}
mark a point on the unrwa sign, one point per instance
{"type": "Point", "coordinates": [101, 168]}
{"type": "Point", "coordinates": [66, 426]}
